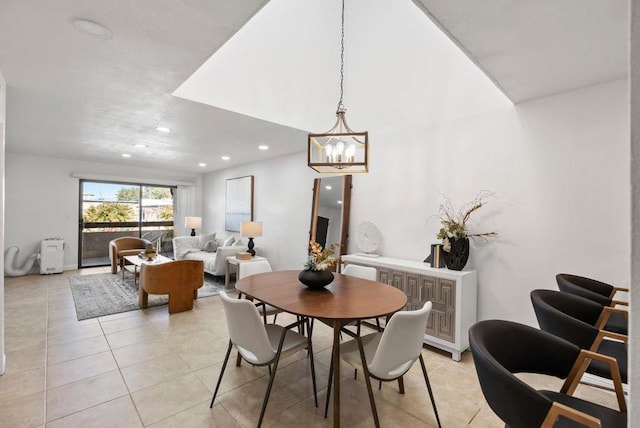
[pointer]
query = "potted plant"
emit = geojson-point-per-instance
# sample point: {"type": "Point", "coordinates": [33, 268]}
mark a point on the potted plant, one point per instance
{"type": "Point", "coordinates": [316, 273]}
{"type": "Point", "coordinates": [454, 233]}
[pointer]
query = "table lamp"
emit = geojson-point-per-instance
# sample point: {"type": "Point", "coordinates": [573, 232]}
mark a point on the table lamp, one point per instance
{"type": "Point", "coordinates": [193, 223]}
{"type": "Point", "coordinates": [251, 229]}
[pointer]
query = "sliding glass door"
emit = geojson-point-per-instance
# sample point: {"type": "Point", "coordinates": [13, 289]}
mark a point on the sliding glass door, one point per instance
{"type": "Point", "coordinates": [112, 210]}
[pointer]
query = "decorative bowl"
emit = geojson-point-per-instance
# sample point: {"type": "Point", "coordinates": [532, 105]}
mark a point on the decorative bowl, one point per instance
{"type": "Point", "coordinates": [315, 279]}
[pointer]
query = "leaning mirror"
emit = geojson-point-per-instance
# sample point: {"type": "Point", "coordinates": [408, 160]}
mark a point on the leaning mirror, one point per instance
{"type": "Point", "coordinates": [330, 211]}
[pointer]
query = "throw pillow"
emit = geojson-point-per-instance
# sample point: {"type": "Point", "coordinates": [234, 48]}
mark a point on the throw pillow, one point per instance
{"type": "Point", "coordinates": [206, 238]}
{"type": "Point", "coordinates": [211, 246]}
{"type": "Point", "coordinates": [227, 242]}
{"type": "Point", "coordinates": [237, 242]}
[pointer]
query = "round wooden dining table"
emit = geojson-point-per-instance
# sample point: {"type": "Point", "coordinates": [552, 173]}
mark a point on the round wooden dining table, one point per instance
{"type": "Point", "coordinates": [346, 299]}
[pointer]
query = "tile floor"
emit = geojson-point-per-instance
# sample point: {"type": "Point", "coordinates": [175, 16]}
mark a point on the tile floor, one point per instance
{"type": "Point", "coordinates": [146, 368]}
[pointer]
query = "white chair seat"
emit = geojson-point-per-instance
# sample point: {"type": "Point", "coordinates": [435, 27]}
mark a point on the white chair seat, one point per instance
{"type": "Point", "coordinates": [350, 353]}
{"type": "Point", "coordinates": [292, 342]}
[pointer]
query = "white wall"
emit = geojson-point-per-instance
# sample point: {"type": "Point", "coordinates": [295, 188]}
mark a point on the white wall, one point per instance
{"type": "Point", "coordinates": [634, 329]}
{"type": "Point", "coordinates": [42, 199]}
{"type": "Point", "coordinates": [3, 115]}
{"type": "Point", "coordinates": [283, 192]}
{"type": "Point", "coordinates": [559, 168]}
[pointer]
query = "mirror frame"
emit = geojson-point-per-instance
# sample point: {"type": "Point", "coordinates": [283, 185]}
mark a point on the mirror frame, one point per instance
{"type": "Point", "coordinates": [346, 208]}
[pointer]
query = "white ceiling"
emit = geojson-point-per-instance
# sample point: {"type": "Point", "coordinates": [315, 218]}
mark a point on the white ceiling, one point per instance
{"type": "Point", "coordinates": [74, 96]}
{"type": "Point", "coordinates": [532, 49]}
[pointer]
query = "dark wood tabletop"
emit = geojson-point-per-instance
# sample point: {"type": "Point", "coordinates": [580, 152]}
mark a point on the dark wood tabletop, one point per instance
{"type": "Point", "coordinates": [346, 298]}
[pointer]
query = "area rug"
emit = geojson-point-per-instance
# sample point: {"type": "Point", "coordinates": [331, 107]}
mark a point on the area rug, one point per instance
{"type": "Point", "coordinates": [105, 294]}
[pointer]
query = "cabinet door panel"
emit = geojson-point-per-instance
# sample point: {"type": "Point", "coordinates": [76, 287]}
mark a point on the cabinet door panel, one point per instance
{"type": "Point", "coordinates": [413, 291]}
{"type": "Point", "coordinates": [397, 280]}
{"type": "Point", "coordinates": [446, 326]}
{"type": "Point", "coordinates": [384, 276]}
{"type": "Point", "coordinates": [446, 292]}
{"type": "Point", "coordinates": [428, 285]}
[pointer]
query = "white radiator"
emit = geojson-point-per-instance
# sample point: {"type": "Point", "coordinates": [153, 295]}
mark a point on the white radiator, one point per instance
{"type": "Point", "coordinates": [51, 256]}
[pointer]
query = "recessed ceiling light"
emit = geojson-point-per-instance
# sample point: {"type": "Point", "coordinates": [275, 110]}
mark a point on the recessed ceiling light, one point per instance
{"type": "Point", "coordinates": [140, 146]}
{"type": "Point", "coordinates": [225, 158]}
{"type": "Point", "coordinates": [202, 164]}
{"type": "Point", "coordinates": [91, 28]}
{"type": "Point", "coordinates": [328, 187]}
{"type": "Point", "coordinates": [263, 147]}
{"type": "Point", "coordinates": [163, 129]}
{"type": "Point", "coordinates": [126, 155]}
{"type": "Point", "coordinates": [339, 202]}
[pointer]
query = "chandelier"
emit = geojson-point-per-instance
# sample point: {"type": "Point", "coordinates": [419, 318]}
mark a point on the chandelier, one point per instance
{"type": "Point", "coordinates": [339, 149]}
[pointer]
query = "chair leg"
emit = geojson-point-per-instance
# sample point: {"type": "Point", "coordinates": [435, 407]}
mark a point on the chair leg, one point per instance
{"type": "Point", "coordinates": [224, 365]}
{"type": "Point", "coordinates": [426, 379]}
{"type": "Point", "coordinates": [271, 379]}
{"type": "Point", "coordinates": [238, 359]}
{"type": "Point", "coordinates": [313, 368]}
{"type": "Point", "coordinates": [326, 406]}
{"type": "Point", "coordinates": [401, 384]}
{"type": "Point", "coordinates": [378, 324]}
{"type": "Point", "coordinates": [309, 332]}
{"type": "Point", "coordinates": [367, 379]}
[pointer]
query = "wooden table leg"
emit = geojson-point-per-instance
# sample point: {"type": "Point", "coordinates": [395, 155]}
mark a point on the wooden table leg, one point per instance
{"type": "Point", "coordinates": [336, 372]}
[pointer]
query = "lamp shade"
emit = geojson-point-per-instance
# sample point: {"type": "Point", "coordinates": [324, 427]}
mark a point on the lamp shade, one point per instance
{"type": "Point", "coordinates": [193, 222]}
{"type": "Point", "coordinates": [251, 229]}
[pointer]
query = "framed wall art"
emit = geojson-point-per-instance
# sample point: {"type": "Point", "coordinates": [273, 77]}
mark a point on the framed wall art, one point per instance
{"type": "Point", "coordinates": [239, 202]}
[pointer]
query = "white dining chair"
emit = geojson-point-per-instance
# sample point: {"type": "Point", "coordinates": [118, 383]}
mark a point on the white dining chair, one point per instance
{"type": "Point", "coordinates": [364, 272]}
{"type": "Point", "coordinates": [387, 356]}
{"type": "Point", "coordinates": [261, 344]}
{"type": "Point", "coordinates": [254, 268]}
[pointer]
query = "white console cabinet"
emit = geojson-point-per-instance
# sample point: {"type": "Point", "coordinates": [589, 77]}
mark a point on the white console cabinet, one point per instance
{"type": "Point", "coordinates": [452, 293]}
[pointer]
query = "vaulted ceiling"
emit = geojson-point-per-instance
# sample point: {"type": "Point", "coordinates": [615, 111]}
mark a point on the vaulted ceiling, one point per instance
{"type": "Point", "coordinates": [71, 95]}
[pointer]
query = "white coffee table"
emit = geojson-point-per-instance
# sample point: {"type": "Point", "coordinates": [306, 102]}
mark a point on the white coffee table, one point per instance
{"type": "Point", "coordinates": [233, 260]}
{"type": "Point", "coordinates": [137, 261]}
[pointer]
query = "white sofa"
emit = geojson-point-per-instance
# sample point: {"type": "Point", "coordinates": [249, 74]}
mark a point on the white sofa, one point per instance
{"type": "Point", "coordinates": [188, 248]}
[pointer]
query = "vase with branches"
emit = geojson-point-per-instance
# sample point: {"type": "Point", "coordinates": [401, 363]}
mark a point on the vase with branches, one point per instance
{"type": "Point", "coordinates": [316, 273]}
{"type": "Point", "coordinates": [454, 232]}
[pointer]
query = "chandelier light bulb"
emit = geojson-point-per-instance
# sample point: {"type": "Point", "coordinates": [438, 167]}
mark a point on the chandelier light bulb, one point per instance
{"type": "Point", "coordinates": [329, 149]}
{"type": "Point", "coordinates": [351, 153]}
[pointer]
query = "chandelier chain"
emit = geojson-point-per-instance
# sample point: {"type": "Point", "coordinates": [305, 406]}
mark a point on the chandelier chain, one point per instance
{"type": "Point", "coordinates": [340, 105]}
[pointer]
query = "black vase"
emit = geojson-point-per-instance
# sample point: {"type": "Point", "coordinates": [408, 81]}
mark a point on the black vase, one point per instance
{"type": "Point", "coordinates": [315, 279]}
{"type": "Point", "coordinates": [456, 258]}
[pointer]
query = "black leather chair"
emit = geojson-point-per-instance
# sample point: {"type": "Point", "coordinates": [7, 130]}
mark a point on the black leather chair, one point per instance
{"type": "Point", "coordinates": [573, 318]}
{"type": "Point", "coordinates": [502, 348]}
{"type": "Point", "coordinates": [600, 292]}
